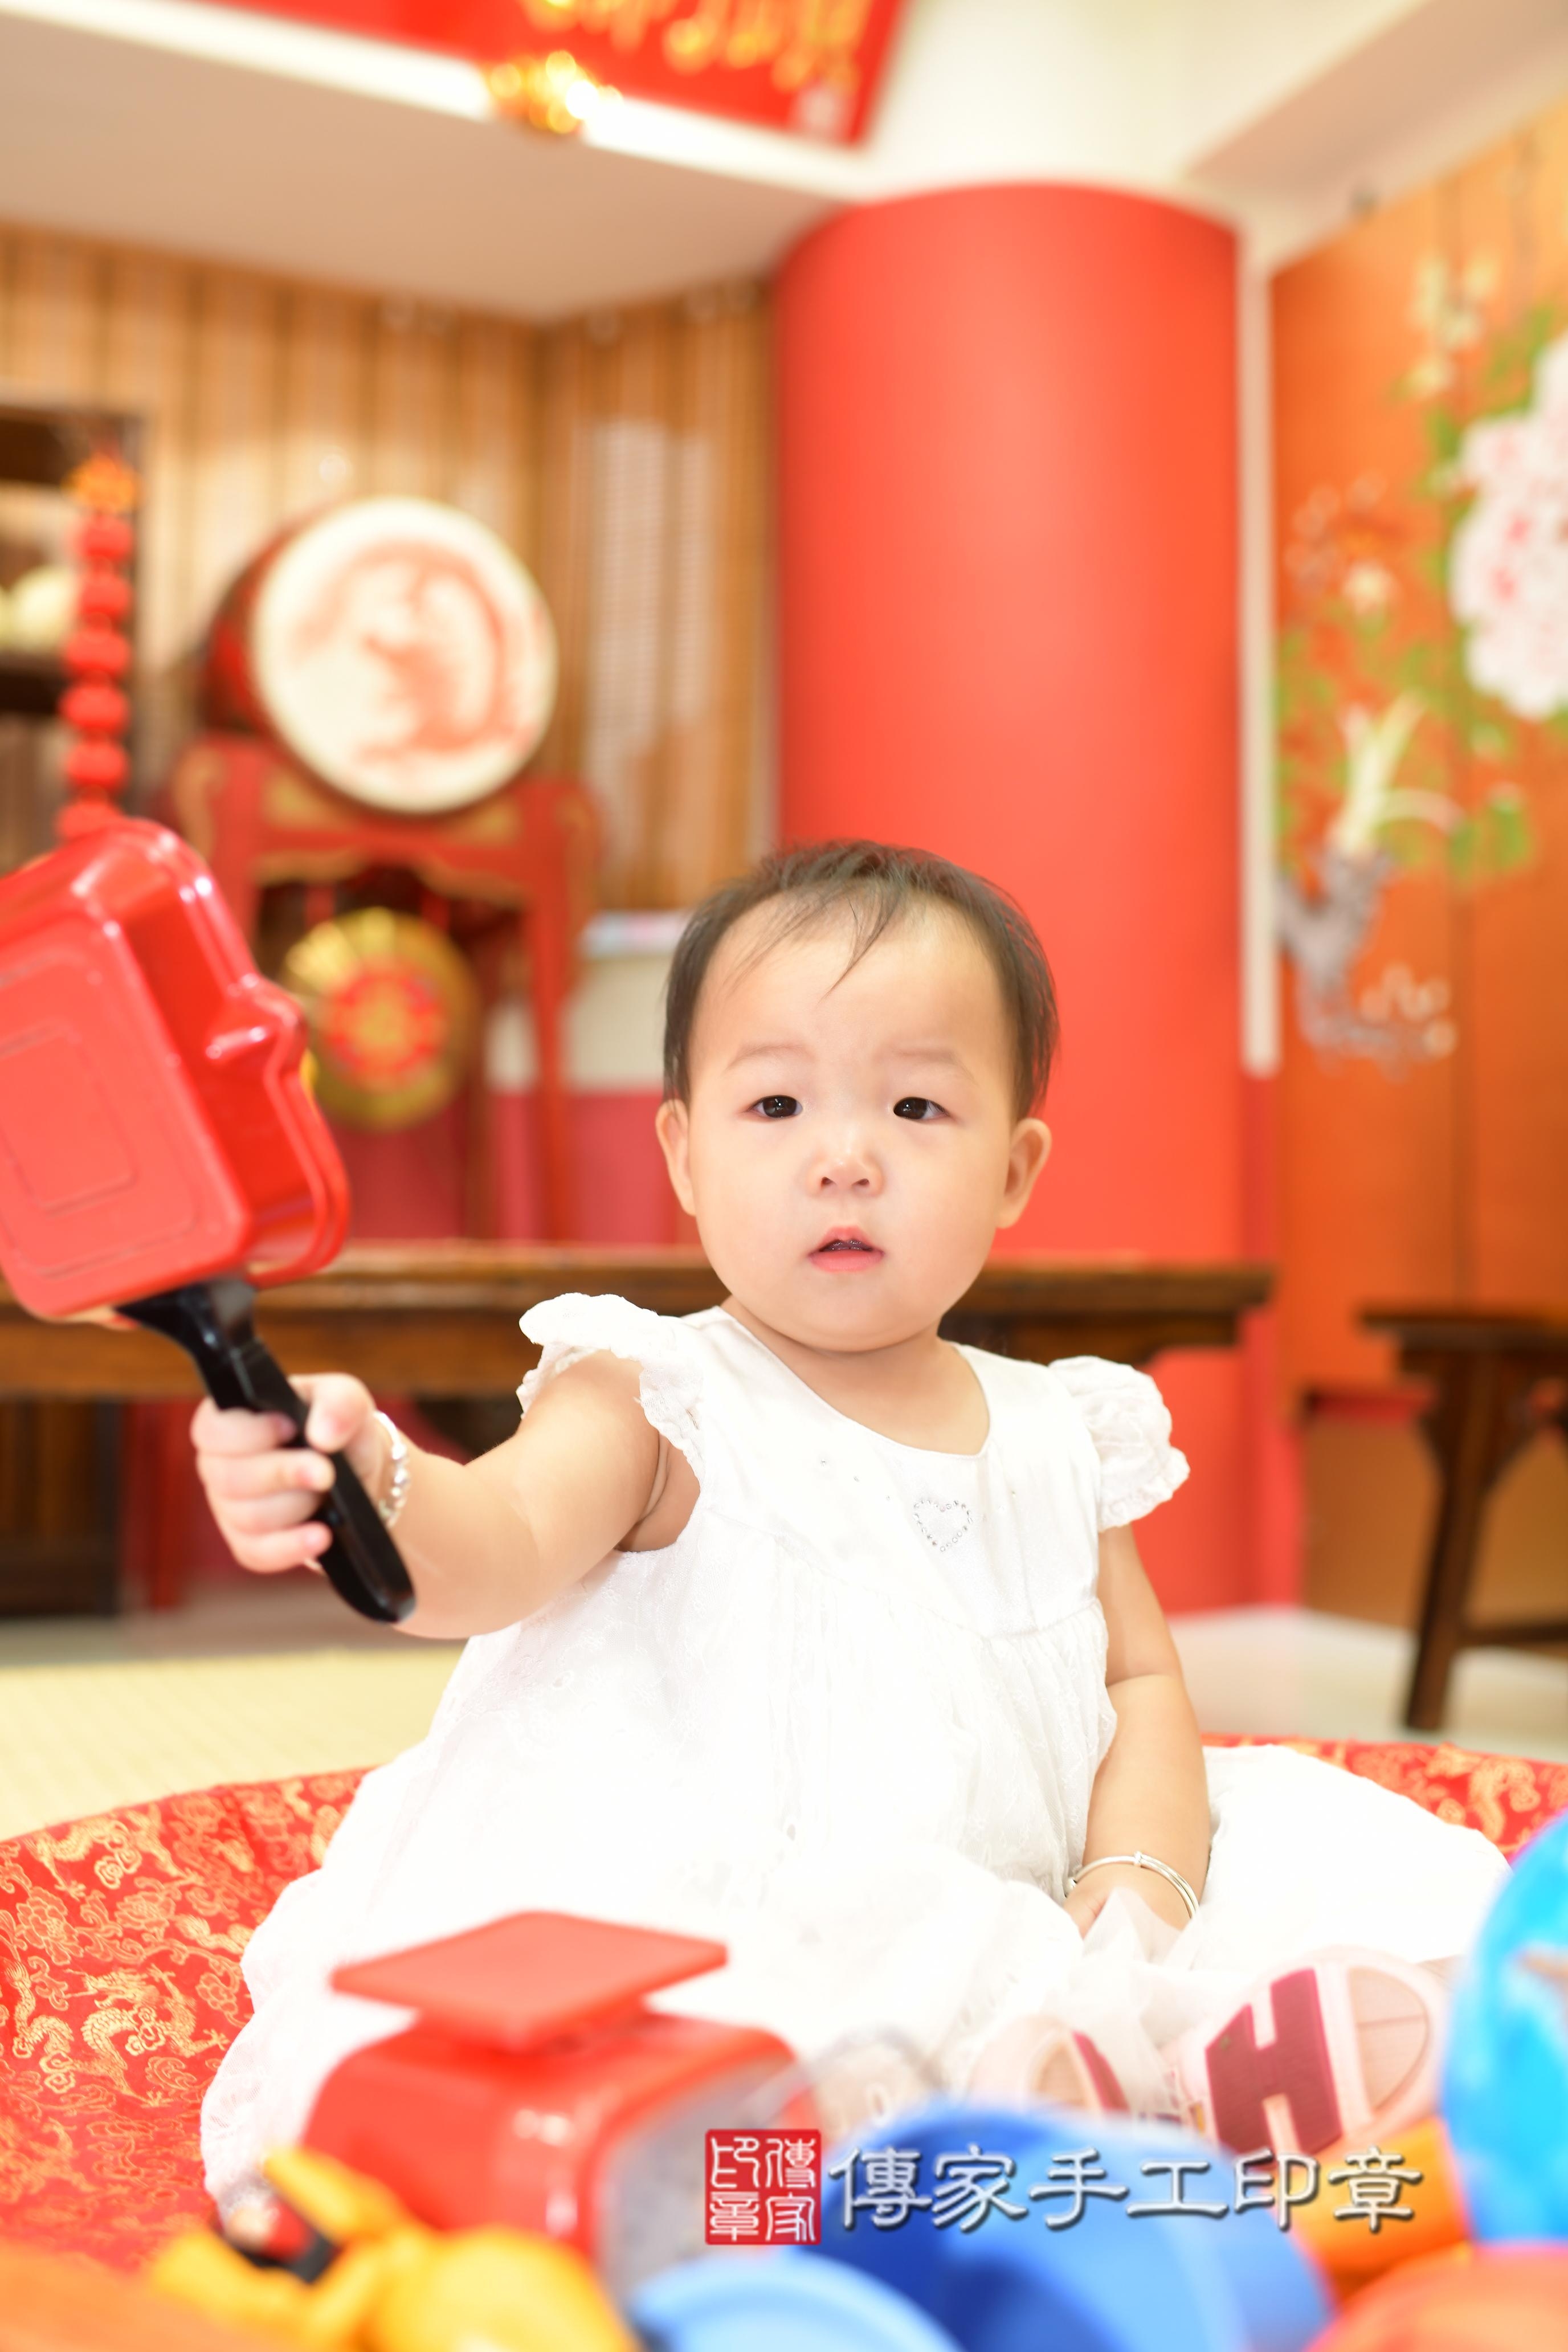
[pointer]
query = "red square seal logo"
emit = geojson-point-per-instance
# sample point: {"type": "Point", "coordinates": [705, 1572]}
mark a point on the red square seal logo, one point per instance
{"type": "Point", "coordinates": [763, 2189]}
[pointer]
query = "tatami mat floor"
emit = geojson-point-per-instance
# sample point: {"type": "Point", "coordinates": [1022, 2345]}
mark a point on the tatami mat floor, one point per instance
{"type": "Point", "coordinates": [250, 1682]}
{"type": "Point", "coordinates": [242, 1686]}
{"type": "Point", "coordinates": [1284, 1671]}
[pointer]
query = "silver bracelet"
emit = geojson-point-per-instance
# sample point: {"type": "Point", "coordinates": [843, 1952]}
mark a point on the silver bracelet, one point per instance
{"type": "Point", "coordinates": [396, 1495]}
{"type": "Point", "coordinates": [1143, 1861]}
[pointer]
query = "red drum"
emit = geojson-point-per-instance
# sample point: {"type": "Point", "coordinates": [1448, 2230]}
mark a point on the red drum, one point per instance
{"type": "Point", "coordinates": [395, 648]}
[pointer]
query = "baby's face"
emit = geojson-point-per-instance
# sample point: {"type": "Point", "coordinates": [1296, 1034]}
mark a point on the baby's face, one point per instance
{"type": "Point", "coordinates": [850, 1145]}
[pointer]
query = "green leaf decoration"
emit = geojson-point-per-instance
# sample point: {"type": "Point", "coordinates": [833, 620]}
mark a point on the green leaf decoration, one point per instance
{"type": "Point", "coordinates": [1443, 435]}
{"type": "Point", "coordinates": [1505, 818]}
{"type": "Point", "coordinates": [1465, 850]}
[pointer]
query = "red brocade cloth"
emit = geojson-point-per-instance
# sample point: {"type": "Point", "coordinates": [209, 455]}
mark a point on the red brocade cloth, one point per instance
{"type": "Point", "coordinates": [120, 1983]}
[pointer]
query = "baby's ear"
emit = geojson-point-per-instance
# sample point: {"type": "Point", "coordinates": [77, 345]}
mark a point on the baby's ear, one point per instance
{"type": "Point", "coordinates": [1026, 1155]}
{"type": "Point", "coordinates": [673, 1129]}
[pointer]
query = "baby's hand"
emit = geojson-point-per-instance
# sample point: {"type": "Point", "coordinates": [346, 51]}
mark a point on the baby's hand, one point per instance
{"type": "Point", "coordinates": [263, 1491]}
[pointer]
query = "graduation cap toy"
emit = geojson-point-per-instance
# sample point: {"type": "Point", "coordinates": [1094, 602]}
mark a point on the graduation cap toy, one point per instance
{"type": "Point", "coordinates": [160, 1155]}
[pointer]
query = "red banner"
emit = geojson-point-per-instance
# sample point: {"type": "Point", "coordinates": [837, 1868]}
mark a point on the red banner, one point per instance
{"type": "Point", "coordinates": [810, 66]}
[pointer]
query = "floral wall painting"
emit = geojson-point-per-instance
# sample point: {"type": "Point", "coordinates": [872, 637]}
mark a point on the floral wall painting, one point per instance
{"type": "Point", "coordinates": [1421, 429]}
{"type": "Point", "coordinates": [1491, 509]}
{"type": "Point", "coordinates": [1508, 580]}
{"type": "Point", "coordinates": [1324, 931]}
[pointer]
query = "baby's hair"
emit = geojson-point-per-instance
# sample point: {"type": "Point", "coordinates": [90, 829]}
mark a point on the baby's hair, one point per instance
{"type": "Point", "coordinates": [876, 885]}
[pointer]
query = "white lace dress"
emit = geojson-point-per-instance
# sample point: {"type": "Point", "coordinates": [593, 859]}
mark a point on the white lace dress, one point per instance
{"type": "Point", "coordinates": [847, 1722]}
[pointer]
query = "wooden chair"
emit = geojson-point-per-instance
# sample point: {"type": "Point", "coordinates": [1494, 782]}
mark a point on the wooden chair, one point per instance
{"type": "Point", "coordinates": [1488, 1370]}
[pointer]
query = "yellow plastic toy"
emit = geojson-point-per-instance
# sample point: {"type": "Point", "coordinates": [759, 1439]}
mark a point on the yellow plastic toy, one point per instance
{"type": "Point", "coordinates": [393, 2286]}
{"type": "Point", "coordinates": [496, 2288]}
{"type": "Point", "coordinates": [1348, 2251]}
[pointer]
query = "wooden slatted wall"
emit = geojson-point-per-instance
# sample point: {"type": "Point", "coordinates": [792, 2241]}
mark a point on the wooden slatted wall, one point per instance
{"type": "Point", "coordinates": [623, 456]}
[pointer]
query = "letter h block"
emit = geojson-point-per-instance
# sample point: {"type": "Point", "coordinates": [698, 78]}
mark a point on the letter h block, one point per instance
{"type": "Point", "coordinates": [1295, 2067]}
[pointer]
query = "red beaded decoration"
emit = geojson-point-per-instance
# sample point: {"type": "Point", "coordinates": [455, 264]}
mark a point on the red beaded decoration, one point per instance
{"type": "Point", "coordinates": [97, 653]}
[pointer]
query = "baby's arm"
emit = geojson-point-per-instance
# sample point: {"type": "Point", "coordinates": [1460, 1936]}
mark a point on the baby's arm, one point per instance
{"type": "Point", "coordinates": [1150, 1794]}
{"type": "Point", "coordinates": [486, 1543]}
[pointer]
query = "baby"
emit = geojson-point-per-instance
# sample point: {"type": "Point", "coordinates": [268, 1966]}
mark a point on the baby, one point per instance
{"type": "Point", "coordinates": [797, 1625]}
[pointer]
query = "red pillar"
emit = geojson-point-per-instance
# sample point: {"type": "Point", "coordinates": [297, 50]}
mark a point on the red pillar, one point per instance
{"type": "Point", "coordinates": [1008, 521]}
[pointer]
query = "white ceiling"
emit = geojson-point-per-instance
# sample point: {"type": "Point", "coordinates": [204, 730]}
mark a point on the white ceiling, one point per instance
{"type": "Point", "coordinates": [1420, 94]}
{"type": "Point", "coordinates": [119, 139]}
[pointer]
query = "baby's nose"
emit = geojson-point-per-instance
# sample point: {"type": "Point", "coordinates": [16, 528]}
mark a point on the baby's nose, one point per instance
{"type": "Point", "coordinates": [845, 1166]}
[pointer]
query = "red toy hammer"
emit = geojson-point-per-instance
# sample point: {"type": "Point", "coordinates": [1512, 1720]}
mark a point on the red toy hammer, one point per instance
{"type": "Point", "coordinates": [160, 1155]}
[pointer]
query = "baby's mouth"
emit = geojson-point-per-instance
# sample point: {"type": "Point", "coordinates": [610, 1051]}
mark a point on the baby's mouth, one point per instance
{"type": "Point", "coordinates": [846, 1252]}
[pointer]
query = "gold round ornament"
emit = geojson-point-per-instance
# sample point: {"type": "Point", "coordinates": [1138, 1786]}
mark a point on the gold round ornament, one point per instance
{"type": "Point", "coordinates": [394, 1015]}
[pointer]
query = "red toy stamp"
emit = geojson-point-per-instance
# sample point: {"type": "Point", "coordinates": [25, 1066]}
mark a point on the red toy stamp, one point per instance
{"type": "Point", "coordinates": [763, 2187]}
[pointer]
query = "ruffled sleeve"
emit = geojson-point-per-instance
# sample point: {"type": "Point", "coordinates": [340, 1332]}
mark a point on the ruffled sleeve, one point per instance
{"type": "Point", "coordinates": [1126, 1418]}
{"type": "Point", "coordinates": [574, 1326]}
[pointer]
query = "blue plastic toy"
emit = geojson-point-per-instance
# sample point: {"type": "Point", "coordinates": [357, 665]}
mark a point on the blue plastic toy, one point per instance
{"type": "Point", "coordinates": [1106, 2281]}
{"type": "Point", "coordinates": [1505, 2087]}
{"type": "Point", "coordinates": [778, 2303]}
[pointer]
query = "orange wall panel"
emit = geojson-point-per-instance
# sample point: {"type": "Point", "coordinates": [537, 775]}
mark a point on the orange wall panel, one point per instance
{"type": "Point", "coordinates": [1424, 1097]}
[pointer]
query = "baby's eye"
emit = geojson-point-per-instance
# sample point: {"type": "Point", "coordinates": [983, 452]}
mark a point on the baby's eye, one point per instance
{"type": "Point", "coordinates": [917, 1107]}
{"type": "Point", "coordinates": [778, 1105]}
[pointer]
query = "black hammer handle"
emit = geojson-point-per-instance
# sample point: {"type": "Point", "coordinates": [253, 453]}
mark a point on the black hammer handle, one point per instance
{"type": "Point", "coordinates": [212, 1322]}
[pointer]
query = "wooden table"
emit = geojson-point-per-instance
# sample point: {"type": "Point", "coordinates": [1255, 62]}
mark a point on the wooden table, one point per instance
{"type": "Point", "coordinates": [440, 1318]}
{"type": "Point", "coordinates": [1486, 1369]}
{"type": "Point", "coordinates": [437, 1321]}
